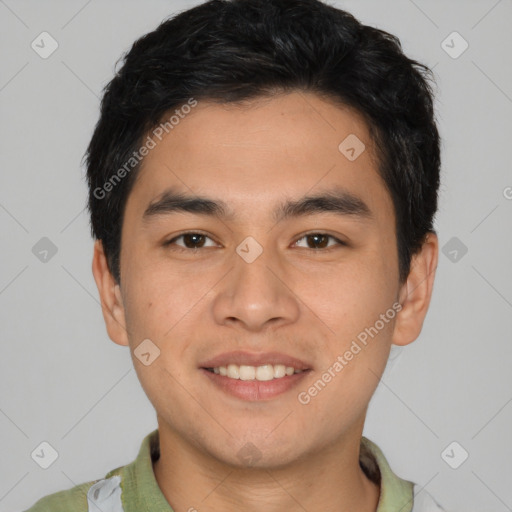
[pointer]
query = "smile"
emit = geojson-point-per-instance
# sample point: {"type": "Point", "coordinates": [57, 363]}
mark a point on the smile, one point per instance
{"type": "Point", "coordinates": [264, 372]}
{"type": "Point", "coordinates": [253, 376]}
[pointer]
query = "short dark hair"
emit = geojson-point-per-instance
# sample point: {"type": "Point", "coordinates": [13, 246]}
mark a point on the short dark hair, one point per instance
{"type": "Point", "coordinates": [229, 51]}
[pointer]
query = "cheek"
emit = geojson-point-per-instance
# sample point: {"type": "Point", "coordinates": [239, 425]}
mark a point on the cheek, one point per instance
{"type": "Point", "coordinates": [157, 298]}
{"type": "Point", "coordinates": [357, 303]}
{"type": "Point", "coordinates": [157, 308]}
{"type": "Point", "coordinates": [355, 297]}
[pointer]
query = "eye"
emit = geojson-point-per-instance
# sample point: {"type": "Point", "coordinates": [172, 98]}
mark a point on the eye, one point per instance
{"type": "Point", "coordinates": [319, 240]}
{"type": "Point", "coordinates": [191, 240]}
{"type": "Point", "coordinates": [194, 240]}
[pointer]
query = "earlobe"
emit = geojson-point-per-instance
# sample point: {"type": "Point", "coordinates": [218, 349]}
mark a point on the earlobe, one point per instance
{"type": "Point", "coordinates": [110, 297]}
{"type": "Point", "coordinates": [416, 292]}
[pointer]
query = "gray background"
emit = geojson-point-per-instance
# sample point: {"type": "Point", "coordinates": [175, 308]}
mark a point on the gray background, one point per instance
{"type": "Point", "coordinates": [63, 381]}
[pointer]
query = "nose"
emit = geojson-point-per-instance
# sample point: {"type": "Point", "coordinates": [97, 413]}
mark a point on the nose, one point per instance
{"type": "Point", "coordinates": [255, 295]}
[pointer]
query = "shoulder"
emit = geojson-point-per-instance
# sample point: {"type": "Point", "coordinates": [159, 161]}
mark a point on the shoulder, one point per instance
{"type": "Point", "coordinates": [423, 501]}
{"type": "Point", "coordinates": [70, 500]}
{"type": "Point", "coordinates": [104, 494]}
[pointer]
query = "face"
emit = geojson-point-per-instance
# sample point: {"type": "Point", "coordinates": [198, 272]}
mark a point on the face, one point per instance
{"type": "Point", "coordinates": [263, 278]}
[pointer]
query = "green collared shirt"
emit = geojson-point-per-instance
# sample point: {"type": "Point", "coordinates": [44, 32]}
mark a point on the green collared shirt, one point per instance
{"type": "Point", "coordinates": [133, 488]}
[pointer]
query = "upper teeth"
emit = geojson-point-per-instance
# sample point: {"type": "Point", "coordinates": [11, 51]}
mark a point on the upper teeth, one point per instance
{"type": "Point", "coordinates": [264, 372]}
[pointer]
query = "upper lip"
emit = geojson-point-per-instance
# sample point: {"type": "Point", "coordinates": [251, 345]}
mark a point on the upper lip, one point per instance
{"type": "Point", "coordinates": [240, 357]}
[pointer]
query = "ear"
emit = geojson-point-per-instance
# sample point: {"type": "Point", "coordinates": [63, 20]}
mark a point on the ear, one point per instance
{"type": "Point", "coordinates": [110, 296]}
{"type": "Point", "coordinates": [416, 292]}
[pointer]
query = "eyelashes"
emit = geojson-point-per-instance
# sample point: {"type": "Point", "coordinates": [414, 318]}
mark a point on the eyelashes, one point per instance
{"type": "Point", "coordinates": [187, 236]}
{"type": "Point", "coordinates": [322, 236]}
{"type": "Point", "coordinates": [195, 240]}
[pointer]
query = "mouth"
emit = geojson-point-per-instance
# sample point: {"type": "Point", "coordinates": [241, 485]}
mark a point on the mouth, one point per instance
{"type": "Point", "coordinates": [255, 377]}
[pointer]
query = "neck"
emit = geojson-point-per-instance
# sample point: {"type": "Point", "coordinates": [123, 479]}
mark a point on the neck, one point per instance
{"type": "Point", "coordinates": [328, 480]}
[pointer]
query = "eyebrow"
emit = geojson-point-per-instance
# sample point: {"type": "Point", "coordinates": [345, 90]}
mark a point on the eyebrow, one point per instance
{"type": "Point", "coordinates": [338, 201]}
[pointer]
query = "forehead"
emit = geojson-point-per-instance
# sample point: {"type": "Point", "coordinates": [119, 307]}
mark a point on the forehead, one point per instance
{"type": "Point", "coordinates": [253, 155]}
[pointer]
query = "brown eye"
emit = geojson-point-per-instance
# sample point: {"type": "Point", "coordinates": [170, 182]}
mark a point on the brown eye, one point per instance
{"type": "Point", "coordinates": [319, 240]}
{"type": "Point", "coordinates": [193, 241]}
{"type": "Point", "coordinates": [190, 240]}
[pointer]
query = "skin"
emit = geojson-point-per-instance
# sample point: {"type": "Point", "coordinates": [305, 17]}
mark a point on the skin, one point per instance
{"type": "Point", "coordinates": [295, 298]}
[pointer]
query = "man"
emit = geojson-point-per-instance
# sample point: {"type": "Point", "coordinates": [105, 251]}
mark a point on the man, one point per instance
{"type": "Point", "coordinates": [263, 180]}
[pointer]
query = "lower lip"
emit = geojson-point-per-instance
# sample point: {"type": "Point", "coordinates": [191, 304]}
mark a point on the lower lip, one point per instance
{"type": "Point", "coordinates": [255, 390]}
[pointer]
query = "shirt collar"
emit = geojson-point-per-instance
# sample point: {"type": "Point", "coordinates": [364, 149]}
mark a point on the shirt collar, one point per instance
{"type": "Point", "coordinates": [396, 494]}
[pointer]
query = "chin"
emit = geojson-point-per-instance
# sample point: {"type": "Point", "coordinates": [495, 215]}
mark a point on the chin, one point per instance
{"type": "Point", "coordinates": [258, 452]}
